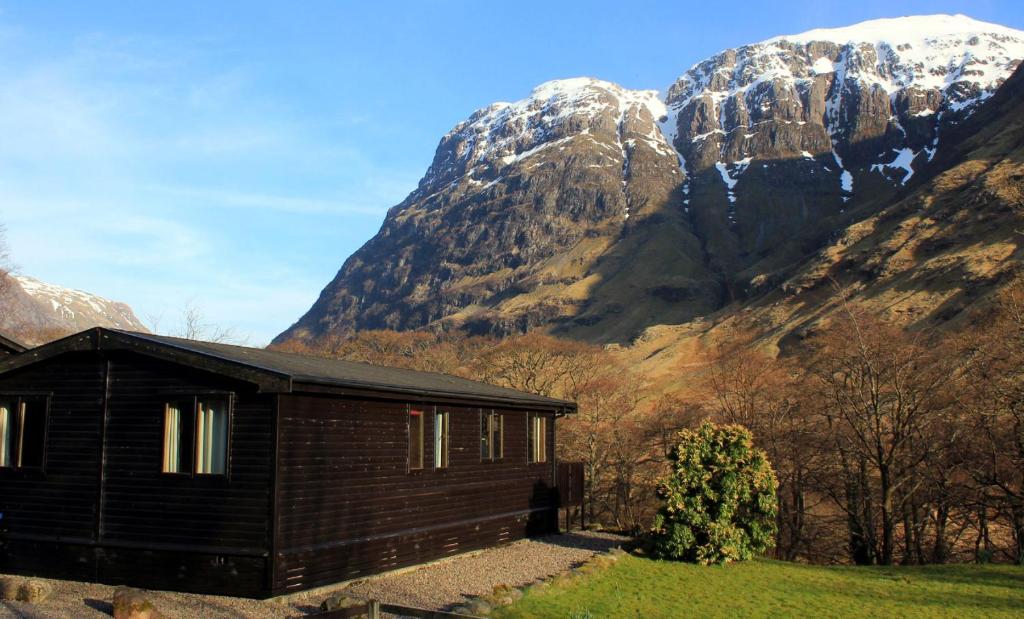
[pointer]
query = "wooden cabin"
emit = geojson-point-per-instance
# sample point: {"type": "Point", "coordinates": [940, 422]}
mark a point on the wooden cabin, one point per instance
{"type": "Point", "coordinates": [174, 464]}
{"type": "Point", "coordinates": [9, 347]}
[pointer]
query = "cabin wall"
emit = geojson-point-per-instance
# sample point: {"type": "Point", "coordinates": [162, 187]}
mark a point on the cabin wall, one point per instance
{"type": "Point", "coordinates": [349, 506]}
{"type": "Point", "coordinates": [62, 500]}
{"type": "Point", "coordinates": [135, 524]}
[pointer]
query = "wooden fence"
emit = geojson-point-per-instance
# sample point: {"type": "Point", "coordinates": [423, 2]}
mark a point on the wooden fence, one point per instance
{"type": "Point", "coordinates": [373, 609]}
{"type": "Point", "coordinates": [569, 480]}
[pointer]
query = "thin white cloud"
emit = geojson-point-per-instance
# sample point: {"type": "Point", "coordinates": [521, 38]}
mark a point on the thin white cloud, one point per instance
{"type": "Point", "coordinates": [214, 198]}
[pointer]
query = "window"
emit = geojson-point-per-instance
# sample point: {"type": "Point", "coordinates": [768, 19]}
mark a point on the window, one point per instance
{"type": "Point", "coordinates": [212, 436]}
{"type": "Point", "coordinates": [22, 431]}
{"type": "Point", "coordinates": [537, 445]}
{"type": "Point", "coordinates": [196, 435]}
{"type": "Point", "coordinates": [415, 440]}
{"type": "Point", "coordinates": [177, 431]}
{"type": "Point", "coordinates": [6, 433]}
{"type": "Point", "coordinates": [492, 435]}
{"type": "Point", "coordinates": [441, 428]}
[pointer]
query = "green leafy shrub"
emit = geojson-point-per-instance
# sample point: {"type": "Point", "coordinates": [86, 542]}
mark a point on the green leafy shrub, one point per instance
{"type": "Point", "coordinates": [719, 500]}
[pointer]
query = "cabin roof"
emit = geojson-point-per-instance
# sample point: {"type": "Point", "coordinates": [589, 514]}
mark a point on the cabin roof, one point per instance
{"type": "Point", "coordinates": [9, 345]}
{"type": "Point", "coordinates": [276, 371]}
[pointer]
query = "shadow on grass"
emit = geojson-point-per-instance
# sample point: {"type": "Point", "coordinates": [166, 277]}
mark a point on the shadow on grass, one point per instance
{"type": "Point", "coordinates": [949, 588]}
{"type": "Point", "coordinates": [1009, 576]}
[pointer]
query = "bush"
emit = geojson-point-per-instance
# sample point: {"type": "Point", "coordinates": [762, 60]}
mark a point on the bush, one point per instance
{"type": "Point", "coordinates": [719, 499]}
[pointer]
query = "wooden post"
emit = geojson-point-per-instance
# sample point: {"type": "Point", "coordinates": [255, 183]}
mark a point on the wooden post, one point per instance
{"type": "Point", "coordinates": [373, 609]}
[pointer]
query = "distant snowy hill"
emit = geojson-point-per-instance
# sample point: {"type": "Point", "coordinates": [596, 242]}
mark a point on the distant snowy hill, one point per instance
{"type": "Point", "coordinates": [596, 211]}
{"type": "Point", "coordinates": [31, 310]}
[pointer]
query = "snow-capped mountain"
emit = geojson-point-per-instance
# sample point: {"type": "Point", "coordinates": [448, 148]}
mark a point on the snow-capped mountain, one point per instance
{"type": "Point", "coordinates": [600, 210]}
{"type": "Point", "coordinates": [32, 308]}
{"type": "Point", "coordinates": [869, 98]}
{"type": "Point", "coordinates": [479, 149]}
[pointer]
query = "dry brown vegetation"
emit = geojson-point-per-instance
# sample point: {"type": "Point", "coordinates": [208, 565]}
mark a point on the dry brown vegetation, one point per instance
{"type": "Point", "coordinates": [890, 446]}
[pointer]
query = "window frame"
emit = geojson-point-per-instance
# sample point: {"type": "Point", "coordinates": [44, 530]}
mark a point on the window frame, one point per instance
{"type": "Point", "coordinates": [229, 408]}
{"type": "Point", "coordinates": [193, 398]}
{"type": "Point", "coordinates": [419, 413]}
{"type": "Point", "coordinates": [18, 399]}
{"type": "Point", "coordinates": [493, 423]}
{"type": "Point", "coordinates": [190, 445]}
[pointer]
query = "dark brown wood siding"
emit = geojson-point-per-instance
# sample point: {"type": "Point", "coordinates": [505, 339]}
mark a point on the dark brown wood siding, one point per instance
{"type": "Point", "coordinates": [62, 499]}
{"type": "Point", "coordinates": [151, 529]}
{"type": "Point", "coordinates": [141, 504]}
{"type": "Point", "coordinates": [349, 506]}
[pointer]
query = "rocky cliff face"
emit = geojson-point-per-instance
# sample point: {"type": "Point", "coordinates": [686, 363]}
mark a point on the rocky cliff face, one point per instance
{"type": "Point", "coordinates": [925, 260]}
{"type": "Point", "coordinates": [598, 211]}
{"type": "Point", "coordinates": [783, 137]}
{"type": "Point", "coordinates": [31, 310]}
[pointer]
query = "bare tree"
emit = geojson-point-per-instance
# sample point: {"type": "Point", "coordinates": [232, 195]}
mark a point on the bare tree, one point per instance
{"type": "Point", "coordinates": [194, 326]}
{"type": "Point", "coordinates": [747, 386]}
{"type": "Point", "coordinates": [5, 260]}
{"type": "Point", "coordinates": [995, 395]}
{"type": "Point", "coordinates": [541, 364]}
{"type": "Point", "coordinates": [884, 394]}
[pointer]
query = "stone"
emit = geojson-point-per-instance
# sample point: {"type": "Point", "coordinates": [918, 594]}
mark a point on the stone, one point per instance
{"type": "Point", "coordinates": [479, 607]}
{"type": "Point", "coordinates": [34, 591]}
{"type": "Point", "coordinates": [341, 601]}
{"type": "Point", "coordinates": [9, 587]}
{"type": "Point", "coordinates": [132, 603]}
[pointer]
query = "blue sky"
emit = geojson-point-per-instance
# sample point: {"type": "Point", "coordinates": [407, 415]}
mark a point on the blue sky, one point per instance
{"type": "Point", "coordinates": [232, 155]}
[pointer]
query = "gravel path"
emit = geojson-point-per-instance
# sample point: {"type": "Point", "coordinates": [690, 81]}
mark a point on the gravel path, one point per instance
{"type": "Point", "coordinates": [453, 581]}
{"type": "Point", "coordinates": [434, 586]}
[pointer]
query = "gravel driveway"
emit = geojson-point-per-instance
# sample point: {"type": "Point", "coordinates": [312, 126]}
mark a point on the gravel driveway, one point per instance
{"type": "Point", "coordinates": [434, 586]}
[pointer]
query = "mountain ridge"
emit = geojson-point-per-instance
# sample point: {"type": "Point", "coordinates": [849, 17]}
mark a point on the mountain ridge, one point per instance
{"type": "Point", "coordinates": [34, 311]}
{"type": "Point", "coordinates": [596, 211]}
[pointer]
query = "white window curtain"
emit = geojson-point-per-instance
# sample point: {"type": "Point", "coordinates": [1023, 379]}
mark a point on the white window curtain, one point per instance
{"type": "Point", "coordinates": [440, 440]}
{"type": "Point", "coordinates": [212, 437]}
{"type": "Point", "coordinates": [172, 439]}
{"type": "Point", "coordinates": [538, 439]}
{"type": "Point", "coordinates": [6, 434]}
{"type": "Point", "coordinates": [21, 432]}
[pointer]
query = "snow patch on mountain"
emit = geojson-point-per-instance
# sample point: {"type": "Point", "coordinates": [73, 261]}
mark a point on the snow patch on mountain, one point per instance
{"type": "Point", "coordinates": [950, 62]}
{"type": "Point", "coordinates": [500, 131]}
{"type": "Point", "coordinates": [77, 310]}
{"type": "Point", "coordinates": [920, 27]}
{"type": "Point", "coordinates": [904, 157]}
{"type": "Point", "coordinates": [731, 173]}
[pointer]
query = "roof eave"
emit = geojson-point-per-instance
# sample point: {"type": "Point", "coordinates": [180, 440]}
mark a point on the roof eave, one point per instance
{"type": "Point", "coordinates": [15, 348]}
{"type": "Point", "coordinates": [102, 339]}
{"type": "Point", "coordinates": [545, 404]}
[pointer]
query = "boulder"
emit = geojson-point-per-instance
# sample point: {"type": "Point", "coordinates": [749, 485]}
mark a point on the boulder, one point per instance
{"type": "Point", "coordinates": [479, 607]}
{"type": "Point", "coordinates": [9, 587]}
{"type": "Point", "coordinates": [31, 590]}
{"type": "Point", "coordinates": [340, 601]}
{"type": "Point", "coordinates": [34, 591]}
{"type": "Point", "coordinates": [134, 604]}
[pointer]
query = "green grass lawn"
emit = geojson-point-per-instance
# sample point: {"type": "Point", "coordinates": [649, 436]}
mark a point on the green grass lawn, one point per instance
{"type": "Point", "coordinates": [636, 587]}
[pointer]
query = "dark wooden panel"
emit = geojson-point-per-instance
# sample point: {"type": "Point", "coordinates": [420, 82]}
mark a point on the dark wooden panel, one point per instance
{"type": "Point", "coordinates": [163, 569]}
{"type": "Point", "coordinates": [348, 506]}
{"type": "Point", "coordinates": [201, 529]}
{"type": "Point", "coordinates": [141, 504]}
{"type": "Point", "coordinates": [62, 499]}
{"type": "Point", "coordinates": [570, 484]}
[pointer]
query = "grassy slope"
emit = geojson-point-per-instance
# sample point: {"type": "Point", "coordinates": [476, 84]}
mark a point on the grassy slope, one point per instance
{"type": "Point", "coordinates": [635, 587]}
